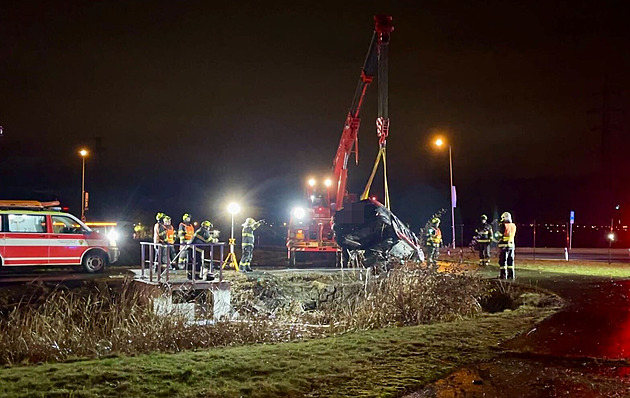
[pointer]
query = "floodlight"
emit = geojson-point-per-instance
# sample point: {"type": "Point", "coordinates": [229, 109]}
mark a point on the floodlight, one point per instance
{"type": "Point", "coordinates": [234, 208]}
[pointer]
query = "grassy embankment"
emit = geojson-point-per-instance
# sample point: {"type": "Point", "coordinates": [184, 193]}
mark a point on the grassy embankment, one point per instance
{"type": "Point", "coordinates": [384, 362]}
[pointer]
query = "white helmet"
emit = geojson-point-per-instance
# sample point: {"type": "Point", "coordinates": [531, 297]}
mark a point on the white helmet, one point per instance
{"type": "Point", "coordinates": [506, 216]}
{"type": "Point", "coordinates": [249, 221]}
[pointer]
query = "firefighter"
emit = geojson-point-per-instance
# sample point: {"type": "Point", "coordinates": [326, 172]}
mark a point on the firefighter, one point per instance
{"type": "Point", "coordinates": [203, 235]}
{"type": "Point", "coordinates": [247, 243]}
{"type": "Point", "coordinates": [433, 240]}
{"type": "Point", "coordinates": [185, 233]}
{"type": "Point", "coordinates": [484, 237]}
{"type": "Point", "coordinates": [169, 240]}
{"type": "Point", "coordinates": [159, 238]}
{"type": "Point", "coordinates": [505, 236]}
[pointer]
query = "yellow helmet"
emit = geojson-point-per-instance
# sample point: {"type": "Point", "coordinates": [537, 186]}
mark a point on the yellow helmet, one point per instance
{"type": "Point", "coordinates": [159, 216]}
{"type": "Point", "coordinates": [186, 216]}
{"type": "Point", "coordinates": [206, 224]}
{"type": "Point", "coordinates": [435, 221]}
{"type": "Point", "coordinates": [506, 216]}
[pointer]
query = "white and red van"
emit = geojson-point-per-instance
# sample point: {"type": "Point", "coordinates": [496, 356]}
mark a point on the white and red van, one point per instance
{"type": "Point", "coordinates": [39, 233]}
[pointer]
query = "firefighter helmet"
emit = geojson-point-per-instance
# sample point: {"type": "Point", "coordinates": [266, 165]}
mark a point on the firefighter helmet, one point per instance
{"type": "Point", "coordinates": [484, 217]}
{"type": "Point", "coordinates": [506, 216]}
{"type": "Point", "coordinates": [249, 221]}
{"type": "Point", "coordinates": [435, 221]}
{"type": "Point", "coordinates": [206, 224]}
{"type": "Point", "coordinates": [159, 216]}
{"type": "Point", "coordinates": [185, 217]}
{"type": "Point", "coordinates": [166, 217]}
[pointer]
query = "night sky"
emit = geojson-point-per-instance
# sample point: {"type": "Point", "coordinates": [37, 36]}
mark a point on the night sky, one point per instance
{"type": "Point", "coordinates": [186, 104]}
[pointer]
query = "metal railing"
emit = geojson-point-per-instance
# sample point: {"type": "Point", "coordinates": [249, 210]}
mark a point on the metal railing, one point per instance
{"type": "Point", "coordinates": [152, 260]}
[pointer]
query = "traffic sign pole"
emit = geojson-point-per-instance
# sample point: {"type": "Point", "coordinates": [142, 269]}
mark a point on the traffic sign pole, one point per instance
{"type": "Point", "coordinates": [571, 221]}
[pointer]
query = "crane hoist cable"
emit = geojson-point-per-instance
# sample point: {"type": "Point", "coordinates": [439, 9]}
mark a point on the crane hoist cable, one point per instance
{"type": "Point", "coordinates": [382, 127]}
{"type": "Point", "coordinates": [382, 30]}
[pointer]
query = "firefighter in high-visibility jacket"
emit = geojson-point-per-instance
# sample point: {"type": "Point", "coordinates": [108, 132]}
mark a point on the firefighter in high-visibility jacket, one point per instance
{"type": "Point", "coordinates": [505, 237]}
{"type": "Point", "coordinates": [159, 238]}
{"type": "Point", "coordinates": [247, 244]}
{"type": "Point", "coordinates": [203, 235]}
{"type": "Point", "coordinates": [484, 238]}
{"type": "Point", "coordinates": [169, 240]}
{"type": "Point", "coordinates": [185, 232]}
{"type": "Point", "coordinates": [433, 241]}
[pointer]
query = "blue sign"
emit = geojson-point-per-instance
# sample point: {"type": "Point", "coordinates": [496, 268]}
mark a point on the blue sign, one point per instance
{"type": "Point", "coordinates": [572, 217]}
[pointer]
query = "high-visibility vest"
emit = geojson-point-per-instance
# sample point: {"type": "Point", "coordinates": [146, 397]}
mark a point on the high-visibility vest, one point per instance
{"type": "Point", "coordinates": [170, 234]}
{"type": "Point", "coordinates": [186, 232]}
{"type": "Point", "coordinates": [434, 236]}
{"type": "Point", "coordinates": [507, 237]}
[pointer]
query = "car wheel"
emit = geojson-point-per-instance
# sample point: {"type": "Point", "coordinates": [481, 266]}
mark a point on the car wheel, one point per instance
{"type": "Point", "coordinates": [93, 262]}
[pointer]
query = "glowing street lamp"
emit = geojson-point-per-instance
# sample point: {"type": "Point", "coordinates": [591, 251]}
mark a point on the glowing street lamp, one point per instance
{"type": "Point", "coordinates": [439, 142]}
{"type": "Point", "coordinates": [312, 182]}
{"type": "Point", "coordinates": [83, 153]}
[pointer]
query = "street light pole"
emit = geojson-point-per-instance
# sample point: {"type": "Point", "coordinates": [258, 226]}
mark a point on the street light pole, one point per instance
{"type": "Point", "coordinates": [450, 164]}
{"type": "Point", "coordinates": [83, 154]}
{"type": "Point", "coordinates": [439, 142]}
{"type": "Point", "coordinates": [232, 236]}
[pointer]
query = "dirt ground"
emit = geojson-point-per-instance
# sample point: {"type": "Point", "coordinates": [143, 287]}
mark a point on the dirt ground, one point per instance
{"type": "Point", "coordinates": [514, 377]}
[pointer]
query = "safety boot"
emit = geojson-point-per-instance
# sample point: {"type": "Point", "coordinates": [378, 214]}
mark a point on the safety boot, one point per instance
{"type": "Point", "coordinates": [502, 274]}
{"type": "Point", "coordinates": [511, 274]}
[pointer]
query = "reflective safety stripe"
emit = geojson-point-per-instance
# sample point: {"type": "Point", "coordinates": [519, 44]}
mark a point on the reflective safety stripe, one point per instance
{"type": "Point", "coordinates": [79, 241]}
{"type": "Point", "coordinates": [248, 234]}
{"type": "Point", "coordinates": [40, 258]}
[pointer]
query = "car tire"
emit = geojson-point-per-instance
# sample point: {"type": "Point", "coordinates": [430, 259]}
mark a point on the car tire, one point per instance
{"type": "Point", "coordinates": [94, 262]}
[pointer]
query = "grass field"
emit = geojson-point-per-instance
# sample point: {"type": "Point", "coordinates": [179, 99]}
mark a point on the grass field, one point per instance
{"type": "Point", "coordinates": [384, 362]}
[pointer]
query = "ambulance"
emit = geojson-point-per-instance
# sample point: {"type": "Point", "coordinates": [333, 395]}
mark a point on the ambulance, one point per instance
{"type": "Point", "coordinates": [39, 233]}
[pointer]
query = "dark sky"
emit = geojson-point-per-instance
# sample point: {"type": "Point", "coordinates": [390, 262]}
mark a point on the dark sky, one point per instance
{"type": "Point", "coordinates": [190, 103]}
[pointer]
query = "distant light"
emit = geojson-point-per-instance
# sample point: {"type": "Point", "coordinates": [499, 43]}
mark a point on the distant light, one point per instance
{"type": "Point", "coordinates": [83, 152]}
{"type": "Point", "coordinates": [312, 182]}
{"type": "Point", "coordinates": [328, 182]}
{"type": "Point", "coordinates": [298, 212]}
{"type": "Point", "coordinates": [195, 223]}
{"type": "Point", "coordinates": [373, 197]}
{"type": "Point", "coordinates": [439, 142]}
{"type": "Point", "coordinates": [611, 237]}
{"type": "Point", "coordinates": [234, 208]}
{"type": "Point", "coordinates": [617, 207]}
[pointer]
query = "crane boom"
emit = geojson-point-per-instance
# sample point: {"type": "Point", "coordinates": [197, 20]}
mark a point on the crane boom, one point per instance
{"type": "Point", "coordinates": [376, 58]}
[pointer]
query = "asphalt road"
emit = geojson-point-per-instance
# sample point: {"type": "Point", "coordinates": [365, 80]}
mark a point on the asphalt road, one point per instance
{"type": "Point", "coordinates": [599, 255]}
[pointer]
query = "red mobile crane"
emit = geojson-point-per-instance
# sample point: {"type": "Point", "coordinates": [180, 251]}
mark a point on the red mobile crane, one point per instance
{"type": "Point", "coordinates": [310, 230]}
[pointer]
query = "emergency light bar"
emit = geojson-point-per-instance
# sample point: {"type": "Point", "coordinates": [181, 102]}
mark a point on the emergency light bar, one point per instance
{"type": "Point", "coordinates": [29, 204]}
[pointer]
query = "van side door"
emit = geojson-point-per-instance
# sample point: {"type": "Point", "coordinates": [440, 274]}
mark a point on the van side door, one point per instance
{"type": "Point", "coordinates": [26, 239]}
